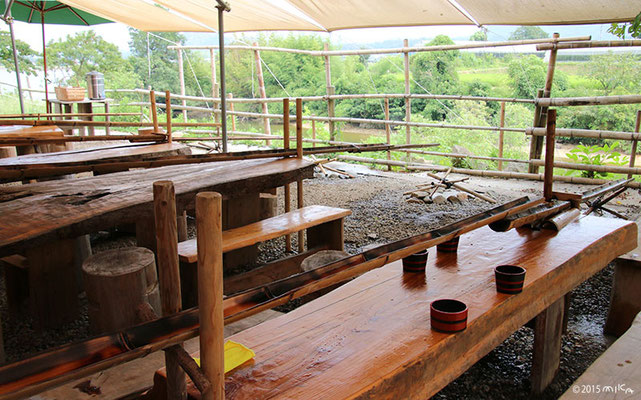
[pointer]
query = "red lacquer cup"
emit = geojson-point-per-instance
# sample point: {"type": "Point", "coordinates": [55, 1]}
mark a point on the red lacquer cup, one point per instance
{"type": "Point", "coordinates": [448, 315]}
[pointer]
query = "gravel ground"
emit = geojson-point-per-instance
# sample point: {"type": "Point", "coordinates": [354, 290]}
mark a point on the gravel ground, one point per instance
{"type": "Point", "coordinates": [380, 215]}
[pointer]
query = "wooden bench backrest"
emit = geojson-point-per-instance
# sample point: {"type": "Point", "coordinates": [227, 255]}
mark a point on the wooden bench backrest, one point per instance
{"type": "Point", "coordinates": [267, 229]}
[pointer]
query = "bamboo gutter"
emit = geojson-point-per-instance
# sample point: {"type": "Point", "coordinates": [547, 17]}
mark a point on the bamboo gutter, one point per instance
{"type": "Point", "coordinates": [56, 367]}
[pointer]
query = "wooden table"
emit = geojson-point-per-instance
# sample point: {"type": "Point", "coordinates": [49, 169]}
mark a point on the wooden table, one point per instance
{"type": "Point", "coordinates": [41, 219]}
{"type": "Point", "coordinates": [12, 131]}
{"type": "Point", "coordinates": [82, 106]}
{"type": "Point", "coordinates": [371, 338]}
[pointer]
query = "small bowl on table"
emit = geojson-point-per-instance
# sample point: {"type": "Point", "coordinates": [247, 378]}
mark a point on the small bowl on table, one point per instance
{"type": "Point", "coordinates": [509, 279]}
{"type": "Point", "coordinates": [415, 262]}
{"type": "Point", "coordinates": [448, 315]}
{"type": "Point", "coordinates": [451, 246]}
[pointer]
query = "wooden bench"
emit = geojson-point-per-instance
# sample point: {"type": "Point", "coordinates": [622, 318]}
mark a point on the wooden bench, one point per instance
{"type": "Point", "coordinates": [324, 227]}
{"type": "Point", "coordinates": [625, 301]}
{"type": "Point", "coordinates": [616, 373]}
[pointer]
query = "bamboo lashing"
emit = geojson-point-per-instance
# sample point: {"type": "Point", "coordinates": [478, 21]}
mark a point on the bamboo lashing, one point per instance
{"type": "Point", "coordinates": [168, 274]}
{"type": "Point", "coordinates": [210, 291]}
{"type": "Point", "coordinates": [299, 154]}
{"type": "Point", "coordinates": [168, 112]}
{"type": "Point", "coordinates": [550, 141]}
{"type": "Point", "coordinates": [288, 195]}
{"type": "Point", "coordinates": [153, 110]}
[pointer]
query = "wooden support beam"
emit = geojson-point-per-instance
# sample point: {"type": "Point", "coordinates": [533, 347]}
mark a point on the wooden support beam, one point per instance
{"type": "Point", "coordinates": [210, 291]}
{"type": "Point", "coordinates": [153, 110]}
{"type": "Point", "coordinates": [168, 111]}
{"type": "Point", "coordinates": [299, 154]}
{"type": "Point", "coordinates": [288, 195]}
{"type": "Point", "coordinates": [501, 136]}
{"type": "Point", "coordinates": [548, 178]}
{"type": "Point", "coordinates": [387, 131]}
{"type": "Point", "coordinates": [169, 274]}
{"type": "Point", "coordinates": [181, 75]}
{"type": "Point", "coordinates": [261, 89]}
{"type": "Point", "coordinates": [635, 142]}
{"type": "Point", "coordinates": [546, 357]}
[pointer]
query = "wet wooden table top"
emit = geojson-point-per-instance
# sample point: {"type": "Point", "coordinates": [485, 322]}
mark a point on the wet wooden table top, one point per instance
{"type": "Point", "coordinates": [371, 338]}
{"type": "Point", "coordinates": [34, 213]}
{"type": "Point", "coordinates": [116, 152]}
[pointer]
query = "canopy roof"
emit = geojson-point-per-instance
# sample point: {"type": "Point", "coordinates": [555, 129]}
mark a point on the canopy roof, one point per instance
{"type": "Point", "coordinates": [330, 15]}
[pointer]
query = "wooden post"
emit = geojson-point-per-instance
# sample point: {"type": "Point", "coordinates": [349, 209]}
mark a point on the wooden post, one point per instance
{"type": "Point", "coordinates": [288, 194]}
{"type": "Point", "coordinates": [633, 153]}
{"type": "Point", "coordinates": [153, 110]}
{"type": "Point", "coordinates": [210, 291]}
{"type": "Point", "coordinates": [263, 95]}
{"type": "Point", "coordinates": [547, 346]}
{"type": "Point", "coordinates": [548, 177]}
{"type": "Point", "coordinates": [501, 134]}
{"type": "Point", "coordinates": [107, 118]}
{"type": "Point", "coordinates": [299, 154]}
{"type": "Point", "coordinates": [181, 74]}
{"type": "Point", "coordinates": [313, 132]}
{"type": "Point", "coordinates": [408, 104]}
{"type": "Point", "coordinates": [330, 92]}
{"type": "Point", "coordinates": [181, 222]}
{"type": "Point", "coordinates": [540, 113]}
{"type": "Point", "coordinates": [231, 108]}
{"type": "Point", "coordinates": [168, 274]}
{"type": "Point", "coordinates": [168, 111]}
{"type": "Point", "coordinates": [214, 83]}
{"type": "Point", "coordinates": [388, 135]}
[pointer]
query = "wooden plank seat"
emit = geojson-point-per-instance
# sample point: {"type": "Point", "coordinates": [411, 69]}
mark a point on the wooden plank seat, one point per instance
{"type": "Point", "coordinates": [625, 302]}
{"type": "Point", "coordinates": [616, 373]}
{"type": "Point", "coordinates": [324, 225]}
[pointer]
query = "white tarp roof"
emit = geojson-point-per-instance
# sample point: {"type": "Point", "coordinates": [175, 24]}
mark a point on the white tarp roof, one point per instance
{"type": "Point", "coordinates": [330, 15]}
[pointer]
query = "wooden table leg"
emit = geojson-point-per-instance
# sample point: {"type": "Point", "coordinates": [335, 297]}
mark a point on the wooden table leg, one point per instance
{"type": "Point", "coordinates": [237, 212]}
{"type": "Point", "coordinates": [625, 302]}
{"type": "Point", "coordinates": [548, 327]}
{"type": "Point", "coordinates": [53, 283]}
{"type": "Point", "coordinates": [88, 109]}
{"type": "Point", "coordinates": [329, 234]}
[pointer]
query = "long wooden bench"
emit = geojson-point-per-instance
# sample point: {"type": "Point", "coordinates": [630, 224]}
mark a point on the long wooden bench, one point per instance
{"type": "Point", "coordinates": [625, 302]}
{"type": "Point", "coordinates": [616, 373]}
{"type": "Point", "coordinates": [324, 227]}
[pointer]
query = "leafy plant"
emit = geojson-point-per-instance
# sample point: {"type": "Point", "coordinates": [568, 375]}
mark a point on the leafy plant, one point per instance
{"type": "Point", "coordinates": [597, 155]}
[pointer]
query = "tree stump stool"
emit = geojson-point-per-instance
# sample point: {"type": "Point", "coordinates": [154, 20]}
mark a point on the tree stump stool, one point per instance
{"type": "Point", "coordinates": [116, 282]}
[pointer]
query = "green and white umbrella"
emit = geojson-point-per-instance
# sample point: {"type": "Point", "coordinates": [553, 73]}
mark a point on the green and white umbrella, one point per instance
{"type": "Point", "coordinates": [44, 12]}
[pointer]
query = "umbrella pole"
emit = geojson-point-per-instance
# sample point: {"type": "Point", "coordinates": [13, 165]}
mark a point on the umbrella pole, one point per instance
{"type": "Point", "coordinates": [44, 60]}
{"type": "Point", "coordinates": [222, 7]}
{"type": "Point", "coordinates": [15, 62]}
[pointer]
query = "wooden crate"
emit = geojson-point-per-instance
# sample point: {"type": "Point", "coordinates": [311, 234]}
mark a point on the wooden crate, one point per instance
{"type": "Point", "coordinates": [70, 93]}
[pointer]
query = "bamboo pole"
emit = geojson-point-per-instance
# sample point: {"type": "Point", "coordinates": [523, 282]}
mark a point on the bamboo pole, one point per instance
{"type": "Point", "coordinates": [181, 76]}
{"type": "Point", "coordinates": [232, 113]}
{"type": "Point", "coordinates": [261, 89]}
{"type": "Point", "coordinates": [169, 274]}
{"type": "Point", "coordinates": [388, 136]}
{"type": "Point", "coordinates": [154, 111]}
{"type": "Point", "coordinates": [314, 133]}
{"type": "Point", "coordinates": [478, 172]}
{"type": "Point", "coordinates": [299, 154]}
{"type": "Point", "coordinates": [475, 45]}
{"type": "Point", "coordinates": [589, 44]}
{"type": "Point", "coordinates": [34, 140]}
{"type": "Point", "coordinates": [458, 155]}
{"type": "Point", "coordinates": [589, 101]}
{"type": "Point", "coordinates": [214, 84]}
{"type": "Point", "coordinates": [330, 92]}
{"type": "Point", "coordinates": [288, 195]}
{"type": "Point", "coordinates": [586, 133]}
{"type": "Point", "coordinates": [549, 156]}
{"type": "Point", "coordinates": [62, 122]}
{"type": "Point", "coordinates": [633, 153]}
{"type": "Point", "coordinates": [590, 167]}
{"type": "Point", "coordinates": [408, 103]}
{"type": "Point", "coordinates": [210, 291]}
{"type": "Point", "coordinates": [501, 136]}
{"type": "Point", "coordinates": [58, 115]}
{"type": "Point", "coordinates": [168, 112]}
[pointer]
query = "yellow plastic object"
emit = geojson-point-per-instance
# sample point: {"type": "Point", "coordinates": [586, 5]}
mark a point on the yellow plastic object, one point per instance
{"type": "Point", "coordinates": [235, 355]}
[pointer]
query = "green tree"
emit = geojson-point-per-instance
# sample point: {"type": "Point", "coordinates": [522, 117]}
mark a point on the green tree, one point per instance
{"type": "Point", "coordinates": [479, 36]}
{"type": "Point", "coordinates": [84, 52]}
{"type": "Point", "coordinates": [435, 72]}
{"type": "Point", "coordinates": [160, 70]}
{"type": "Point", "coordinates": [528, 32]}
{"type": "Point", "coordinates": [633, 28]}
{"type": "Point", "coordinates": [27, 57]}
{"type": "Point", "coordinates": [614, 71]}
{"type": "Point", "coordinates": [527, 75]}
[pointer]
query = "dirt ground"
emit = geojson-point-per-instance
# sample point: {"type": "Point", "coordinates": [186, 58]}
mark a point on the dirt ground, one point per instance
{"type": "Point", "coordinates": [380, 214]}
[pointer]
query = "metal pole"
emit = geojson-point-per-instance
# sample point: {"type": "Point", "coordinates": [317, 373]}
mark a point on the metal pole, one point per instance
{"type": "Point", "coordinates": [222, 7]}
{"type": "Point", "coordinates": [9, 21]}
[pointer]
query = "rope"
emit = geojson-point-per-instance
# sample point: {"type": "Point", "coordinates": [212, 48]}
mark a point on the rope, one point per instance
{"type": "Point", "coordinates": [279, 84]}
